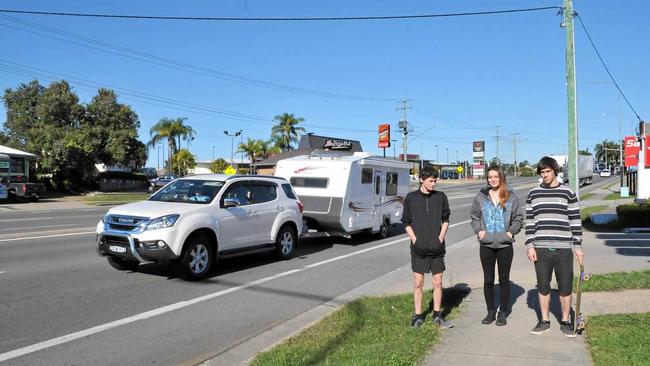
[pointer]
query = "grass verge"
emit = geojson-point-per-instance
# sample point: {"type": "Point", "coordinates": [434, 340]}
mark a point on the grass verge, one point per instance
{"type": "Point", "coordinates": [367, 331]}
{"type": "Point", "coordinates": [586, 211]}
{"type": "Point", "coordinates": [616, 196]}
{"type": "Point", "coordinates": [115, 198]}
{"type": "Point", "coordinates": [586, 196]}
{"type": "Point", "coordinates": [617, 281]}
{"type": "Point", "coordinates": [619, 339]}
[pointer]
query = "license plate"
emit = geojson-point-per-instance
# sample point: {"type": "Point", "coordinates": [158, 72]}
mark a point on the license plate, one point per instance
{"type": "Point", "coordinates": [116, 249]}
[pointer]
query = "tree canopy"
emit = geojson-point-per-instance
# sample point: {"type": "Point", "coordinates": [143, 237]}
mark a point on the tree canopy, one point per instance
{"type": "Point", "coordinates": [70, 137]}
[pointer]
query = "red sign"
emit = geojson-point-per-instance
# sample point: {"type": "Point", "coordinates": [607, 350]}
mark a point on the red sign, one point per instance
{"type": "Point", "coordinates": [384, 135]}
{"type": "Point", "coordinates": [647, 151]}
{"type": "Point", "coordinates": [632, 148]}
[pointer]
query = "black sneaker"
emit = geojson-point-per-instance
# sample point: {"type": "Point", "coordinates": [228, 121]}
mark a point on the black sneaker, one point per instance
{"type": "Point", "coordinates": [501, 319]}
{"type": "Point", "coordinates": [567, 329]}
{"type": "Point", "coordinates": [417, 320]}
{"type": "Point", "coordinates": [442, 322]}
{"type": "Point", "coordinates": [541, 327]}
{"type": "Point", "coordinates": [489, 318]}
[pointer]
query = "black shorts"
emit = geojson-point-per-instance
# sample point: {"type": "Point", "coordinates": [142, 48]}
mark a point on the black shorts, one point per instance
{"type": "Point", "coordinates": [559, 261]}
{"type": "Point", "coordinates": [427, 264]}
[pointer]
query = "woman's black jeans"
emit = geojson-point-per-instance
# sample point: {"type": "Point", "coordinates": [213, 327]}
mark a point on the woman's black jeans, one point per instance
{"type": "Point", "coordinates": [502, 257]}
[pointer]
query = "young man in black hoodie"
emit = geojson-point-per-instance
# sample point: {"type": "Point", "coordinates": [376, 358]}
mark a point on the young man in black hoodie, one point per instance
{"type": "Point", "coordinates": [426, 219]}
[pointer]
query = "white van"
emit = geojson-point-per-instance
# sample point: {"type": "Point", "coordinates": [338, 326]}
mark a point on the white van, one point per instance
{"type": "Point", "coordinates": [347, 194]}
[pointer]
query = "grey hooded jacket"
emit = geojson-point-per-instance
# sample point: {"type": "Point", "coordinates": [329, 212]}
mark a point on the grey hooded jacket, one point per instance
{"type": "Point", "coordinates": [495, 221]}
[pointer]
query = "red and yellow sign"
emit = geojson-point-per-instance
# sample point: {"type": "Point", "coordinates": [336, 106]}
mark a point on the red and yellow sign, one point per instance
{"type": "Point", "coordinates": [632, 148]}
{"type": "Point", "coordinates": [384, 135]}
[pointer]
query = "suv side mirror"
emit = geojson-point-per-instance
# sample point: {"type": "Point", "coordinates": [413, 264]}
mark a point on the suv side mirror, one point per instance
{"type": "Point", "coordinates": [229, 202]}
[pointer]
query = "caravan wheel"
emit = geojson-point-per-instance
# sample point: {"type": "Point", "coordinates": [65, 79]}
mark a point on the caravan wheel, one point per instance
{"type": "Point", "coordinates": [383, 230]}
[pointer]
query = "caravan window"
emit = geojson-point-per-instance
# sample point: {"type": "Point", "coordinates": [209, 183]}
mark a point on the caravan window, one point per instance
{"type": "Point", "coordinates": [391, 184]}
{"type": "Point", "coordinates": [309, 182]}
{"type": "Point", "coordinates": [366, 176]}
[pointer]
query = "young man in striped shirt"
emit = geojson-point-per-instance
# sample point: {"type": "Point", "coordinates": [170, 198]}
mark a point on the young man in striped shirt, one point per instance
{"type": "Point", "coordinates": [553, 236]}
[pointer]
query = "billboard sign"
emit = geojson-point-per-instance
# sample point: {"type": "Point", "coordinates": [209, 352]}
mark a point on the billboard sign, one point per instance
{"type": "Point", "coordinates": [384, 135]}
{"type": "Point", "coordinates": [632, 148]}
{"type": "Point", "coordinates": [478, 150]}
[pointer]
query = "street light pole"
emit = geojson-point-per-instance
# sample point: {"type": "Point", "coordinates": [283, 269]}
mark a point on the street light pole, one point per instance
{"type": "Point", "coordinates": [232, 143]}
{"type": "Point", "coordinates": [212, 152]}
{"type": "Point", "coordinates": [437, 161]}
{"type": "Point", "coordinates": [394, 141]}
{"type": "Point", "coordinates": [447, 149]}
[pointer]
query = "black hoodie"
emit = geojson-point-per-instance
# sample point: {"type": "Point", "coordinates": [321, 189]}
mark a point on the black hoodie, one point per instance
{"type": "Point", "coordinates": [425, 213]}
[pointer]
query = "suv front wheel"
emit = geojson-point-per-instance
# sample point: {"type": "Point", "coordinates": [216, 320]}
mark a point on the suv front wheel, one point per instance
{"type": "Point", "coordinates": [285, 242]}
{"type": "Point", "coordinates": [195, 264]}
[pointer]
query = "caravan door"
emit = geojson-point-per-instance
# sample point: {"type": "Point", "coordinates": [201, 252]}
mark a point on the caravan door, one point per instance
{"type": "Point", "coordinates": [379, 189]}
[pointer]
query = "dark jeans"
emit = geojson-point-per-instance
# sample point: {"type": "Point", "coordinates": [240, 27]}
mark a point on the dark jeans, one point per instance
{"type": "Point", "coordinates": [502, 257]}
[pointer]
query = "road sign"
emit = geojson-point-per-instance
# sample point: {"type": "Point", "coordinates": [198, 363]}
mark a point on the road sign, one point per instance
{"type": "Point", "coordinates": [4, 165]}
{"type": "Point", "coordinates": [229, 170]}
{"type": "Point", "coordinates": [459, 170]}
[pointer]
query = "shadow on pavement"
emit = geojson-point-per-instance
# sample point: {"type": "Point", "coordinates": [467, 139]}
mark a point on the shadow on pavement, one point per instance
{"type": "Point", "coordinates": [452, 297]}
{"type": "Point", "coordinates": [634, 245]}
{"type": "Point", "coordinates": [515, 292]}
{"type": "Point", "coordinates": [554, 308]}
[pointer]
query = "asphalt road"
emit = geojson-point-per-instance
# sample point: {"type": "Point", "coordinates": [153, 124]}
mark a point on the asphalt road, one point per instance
{"type": "Point", "coordinates": [61, 304]}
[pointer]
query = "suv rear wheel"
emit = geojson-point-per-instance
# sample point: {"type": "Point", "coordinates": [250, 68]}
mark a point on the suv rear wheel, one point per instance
{"type": "Point", "coordinates": [196, 262]}
{"type": "Point", "coordinates": [285, 242]}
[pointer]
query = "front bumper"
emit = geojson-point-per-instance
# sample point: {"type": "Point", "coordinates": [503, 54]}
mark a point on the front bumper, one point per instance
{"type": "Point", "coordinates": [124, 245]}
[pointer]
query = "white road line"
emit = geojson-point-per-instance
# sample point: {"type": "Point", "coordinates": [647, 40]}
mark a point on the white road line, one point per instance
{"type": "Point", "coordinates": [1, 272]}
{"type": "Point", "coordinates": [38, 227]}
{"type": "Point", "coordinates": [28, 219]}
{"type": "Point", "coordinates": [179, 305]}
{"type": "Point", "coordinates": [47, 236]}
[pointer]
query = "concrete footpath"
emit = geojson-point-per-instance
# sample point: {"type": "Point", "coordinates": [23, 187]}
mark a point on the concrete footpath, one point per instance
{"type": "Point", "coordinates": [470, 342]}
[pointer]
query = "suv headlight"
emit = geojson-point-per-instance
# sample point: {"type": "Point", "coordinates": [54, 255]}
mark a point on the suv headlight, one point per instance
{"type": "Point", "coordinates": [105, 218]}
{"type": "Point", "coordinates": [163, 222]}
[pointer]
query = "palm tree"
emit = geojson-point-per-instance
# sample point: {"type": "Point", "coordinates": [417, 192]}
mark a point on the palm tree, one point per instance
{"type": "Point", "coordinates": [279, 143]}
{"type": "Point", "coordinates": [607, 151]}
{"type": "Point", "coordinates": [251, 148]}
{"type": "Point", "coordinates": [287, 129]}
{"type": "Point", "coordinates": [184, 160]}
{"type": "Point", "coordinates": [266, 148]}
{"type": "Point", "coordinates": [170, 129]}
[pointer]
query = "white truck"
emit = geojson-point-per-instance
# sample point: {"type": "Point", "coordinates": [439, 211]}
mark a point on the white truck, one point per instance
{"type": "Point", "coordinates": [192, 221]}
{"type": "Point", "coordinates": [585, 168]}
{"type": "Point", "coordinates": [347, 194]}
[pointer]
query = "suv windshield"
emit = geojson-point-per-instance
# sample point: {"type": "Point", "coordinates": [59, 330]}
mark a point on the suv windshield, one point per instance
{"type": "Point", "coordinates": [189, 191]}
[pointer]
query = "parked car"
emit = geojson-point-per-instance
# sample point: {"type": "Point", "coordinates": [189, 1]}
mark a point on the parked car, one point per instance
{"type": "Point", "coordinates": [4, 193]}
{"type": "Point", "coordinates": [195, 220]}
{"type": "Point", "coordinates": [605, 173]}
{"type": "Point", "coordinates": [19, 189]}
{"type": "Point", "coordinates": [163, 180]}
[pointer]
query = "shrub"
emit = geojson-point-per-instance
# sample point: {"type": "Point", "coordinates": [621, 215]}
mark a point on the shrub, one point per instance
{"type": "Point", "coordinates": [633, 215]}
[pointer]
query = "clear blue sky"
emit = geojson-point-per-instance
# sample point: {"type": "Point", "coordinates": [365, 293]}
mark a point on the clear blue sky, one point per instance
{"type": "Point", "coordinates": [463, 75]}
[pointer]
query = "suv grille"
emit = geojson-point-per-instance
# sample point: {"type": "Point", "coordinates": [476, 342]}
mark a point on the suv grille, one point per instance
{"type": "Point", "coordinates": [126, 223]}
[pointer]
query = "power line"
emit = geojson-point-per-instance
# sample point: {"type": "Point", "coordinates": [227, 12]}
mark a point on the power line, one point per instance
{"type": "Point", "coordinates": [20, 69]}
{"type": "Point", "coordinates": [280, 19]}
{"type": "Point", "coordinates": [175, 64]}
{"type": "Point", "coordinates": [605, 66]}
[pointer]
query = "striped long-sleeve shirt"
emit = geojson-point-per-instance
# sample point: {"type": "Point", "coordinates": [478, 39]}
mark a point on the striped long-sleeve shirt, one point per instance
{"type": "Point", "coordinates": [553, 218]}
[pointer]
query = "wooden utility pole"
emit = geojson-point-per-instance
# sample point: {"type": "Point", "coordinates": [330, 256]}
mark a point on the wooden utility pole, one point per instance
{"type": "Point", "coordinates": [572, 147]}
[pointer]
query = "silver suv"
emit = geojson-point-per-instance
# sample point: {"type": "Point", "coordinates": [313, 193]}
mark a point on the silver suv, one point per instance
{"type": "Point", "coordinates": [193, 220]}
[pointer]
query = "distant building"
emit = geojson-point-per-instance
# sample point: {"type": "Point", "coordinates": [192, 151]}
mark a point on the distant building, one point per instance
{"type": "Point", "coordinates": [14, 163]}
{"type": "Point", "coordinates": [308, 144]}
{"type": "Point", "coordinates": [203, 167]}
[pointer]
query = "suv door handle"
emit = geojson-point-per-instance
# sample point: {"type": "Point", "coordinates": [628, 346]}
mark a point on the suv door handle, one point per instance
{"type": "Point", "coordinates": [252, 212]}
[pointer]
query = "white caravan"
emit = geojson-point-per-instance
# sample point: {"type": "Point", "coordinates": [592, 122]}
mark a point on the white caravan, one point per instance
{"type": "Point", "coordinates": [347, 194]}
